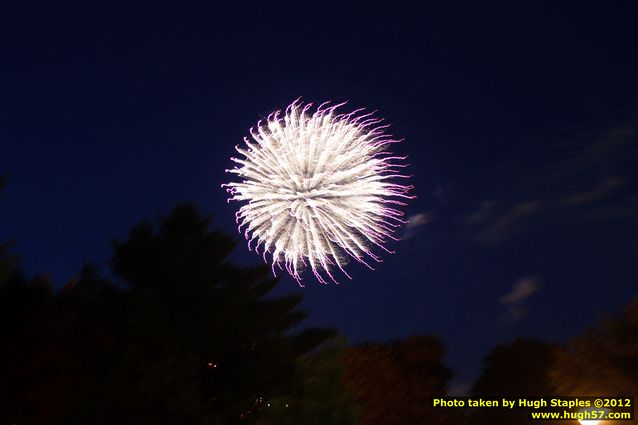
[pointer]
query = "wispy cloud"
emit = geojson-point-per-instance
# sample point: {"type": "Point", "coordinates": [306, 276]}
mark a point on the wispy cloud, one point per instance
{"type": "Point", "coordinates": [600, 191]}
{"type": "Point", "coordinates": [565, 186]}
{"type": "Point", "coordinates": [415, 222]}
{"type": "Point", "coordinates": [514, 300]}
{"type": "Point", "coordinates": [496, 224]}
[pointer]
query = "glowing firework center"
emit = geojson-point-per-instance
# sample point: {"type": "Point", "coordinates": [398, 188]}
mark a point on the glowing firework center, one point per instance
{"type": "Point", "coordinates": [318, 188]}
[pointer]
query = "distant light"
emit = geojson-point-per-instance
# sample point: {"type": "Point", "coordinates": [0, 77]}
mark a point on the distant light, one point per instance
{"type": "Point", "coordinates": [591, 421]}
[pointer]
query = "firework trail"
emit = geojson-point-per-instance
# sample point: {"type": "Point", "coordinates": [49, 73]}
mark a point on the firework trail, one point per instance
{"type": "Point", "coordinates": [320, 188]}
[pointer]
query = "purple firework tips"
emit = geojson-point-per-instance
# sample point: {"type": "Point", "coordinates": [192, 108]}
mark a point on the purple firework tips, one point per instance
{"type": "Point", "coordinates": [316, 189]}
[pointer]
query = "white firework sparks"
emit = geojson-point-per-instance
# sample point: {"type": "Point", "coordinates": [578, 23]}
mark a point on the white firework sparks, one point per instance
{"type": "Point", "coordinates": [319, 188]}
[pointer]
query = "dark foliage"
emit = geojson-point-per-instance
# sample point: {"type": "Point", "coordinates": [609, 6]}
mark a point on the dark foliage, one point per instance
{"type": "Point", "coordinates": [185, 338]}
{"type": "Point", "coordinates": [394, 383]}
{"type": "Point", "coordinates": [603, 360]}
{"type": "Point", "coordinates": [515, 370]}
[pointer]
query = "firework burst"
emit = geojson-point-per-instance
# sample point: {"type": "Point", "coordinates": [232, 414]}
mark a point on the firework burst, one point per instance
{"type": "Point", "coordinates": [319, 188]}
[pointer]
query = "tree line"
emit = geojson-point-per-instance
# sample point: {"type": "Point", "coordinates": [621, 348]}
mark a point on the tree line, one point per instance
{"type": "Point", "coordinates": [178, 334]}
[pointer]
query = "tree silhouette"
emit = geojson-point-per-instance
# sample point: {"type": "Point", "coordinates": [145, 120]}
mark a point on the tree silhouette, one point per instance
{"type": "Point", "coordinates": [518, 369]}
{"type": "Point", "coordinates": [184, 337]}
{"type": "Point", "coordinates": [321, 398]}
{"type": "Point", "coordinates": [179, 276]}
{"type": "Point", "coordinates": [394, 383]}
{"type": "Point", "coordinates": [603, 360]}
{"type": "Point", "coordinates": [24, 306]}
{"type": "Point", "coordinates": [8, 261]}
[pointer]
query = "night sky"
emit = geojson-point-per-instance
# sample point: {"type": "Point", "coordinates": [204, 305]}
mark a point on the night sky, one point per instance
{"type": "Point", "coordinates": [521, 127]}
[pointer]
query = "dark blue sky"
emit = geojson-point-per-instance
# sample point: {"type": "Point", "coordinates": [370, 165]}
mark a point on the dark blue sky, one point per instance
{"type": "Point", "coordinates": [521, 126]}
